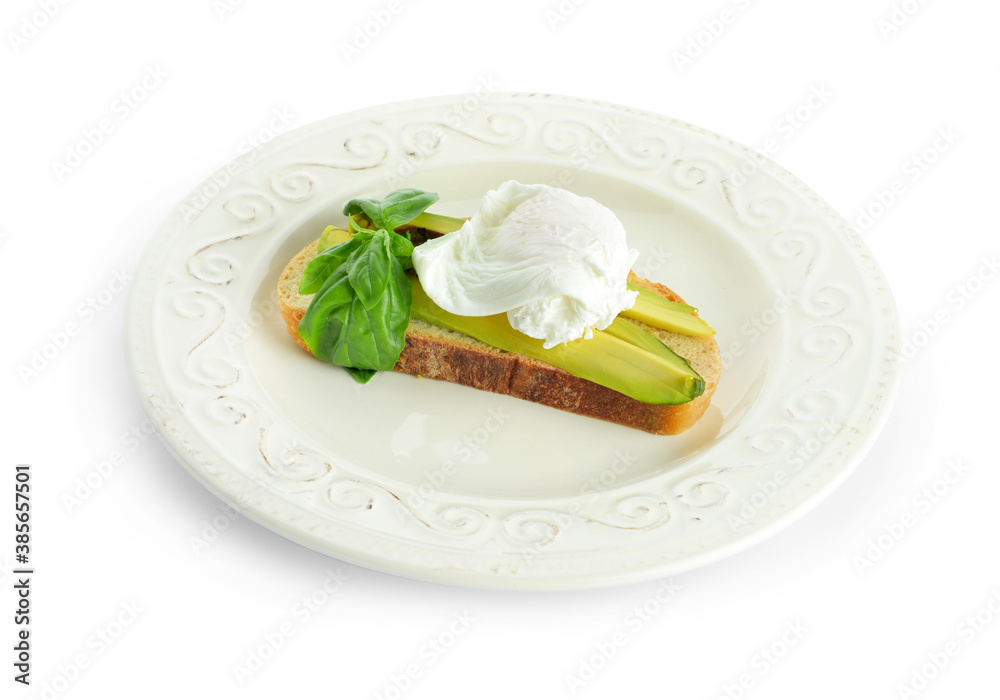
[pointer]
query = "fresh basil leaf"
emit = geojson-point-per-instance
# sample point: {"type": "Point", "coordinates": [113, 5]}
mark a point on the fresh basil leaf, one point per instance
{"type": "Point", "coordinates": [400, 207]}
{"type": "Point", "coordinates": [369, 207]}
{"type": "Point", "coordinates": [362, 297]}
{"type": "Point", "coordinates": [324, 265]}
{"type": "Point", "coordinates": [368, 269]}
{"type": "Point", "coordinates": [360, 232]}
{"type": "Point", "coordinates": [372, 340]}
{"type": "Point", "coordinates": [322, 327]}
{"type": "Point", "coordinates": [402, 249]}
{"type": "Point", "coordinates": [353, 206]}
{"type": "Point", "coordinates": [362, 375]}
{"type": "Point", "coordinates": [338, 328]}
{"type": "Point", "coordinates": [334, 293]}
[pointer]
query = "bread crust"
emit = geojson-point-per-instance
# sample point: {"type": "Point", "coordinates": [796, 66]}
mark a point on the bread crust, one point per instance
{"type": "Point", "coordinates": [442, 354]}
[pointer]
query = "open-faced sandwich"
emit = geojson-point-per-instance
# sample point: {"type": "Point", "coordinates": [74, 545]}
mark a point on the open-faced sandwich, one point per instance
{"type": "Point", "coordinates": [533, 296]}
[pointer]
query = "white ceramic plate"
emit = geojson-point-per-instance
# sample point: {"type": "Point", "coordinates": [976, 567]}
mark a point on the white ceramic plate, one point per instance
{"type": "Point", "coordinates": [441, 482]}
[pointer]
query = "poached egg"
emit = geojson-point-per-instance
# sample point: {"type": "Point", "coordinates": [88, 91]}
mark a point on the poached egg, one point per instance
{"type": "Point", "coordinates": [555, 262]}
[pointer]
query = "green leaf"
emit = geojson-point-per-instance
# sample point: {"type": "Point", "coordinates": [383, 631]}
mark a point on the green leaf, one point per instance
{"type": "Point", "coordinates": [362, 375]}
{"type": "Point", "coordinates": [322, 327]}
{"type": "Point", "coordinates": [400, 207]}
{"type": "Point", "coordinates": [362, 297]}
{"type": "Point", "coordinates": [338, 328]}
{"type": "Point", "coordinates": [401, 248]}
{"type": "Point", "coordinates": [368, 268]}
{"type": "Point", "coordinates": [369, 207]}
{"type": "Point", "coordinates": [378, 335]}
{"type": "Point", "coordinates": [324, 265]}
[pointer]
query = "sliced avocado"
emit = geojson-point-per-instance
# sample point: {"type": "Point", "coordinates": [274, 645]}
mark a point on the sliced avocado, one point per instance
{"type": "Point", "coordinates": [660, 301]}
{"type": "Point", "coordinates": [425, 226]}
{"type": "Point", "coordinates": [693, 384]}
{"type": "Point", "coordinates": [433, 223]}
{"type": "Point", "coordinates": [332, 236]}
{"type": "Point", "coordinates": [437, 223]}
{"type": "Point", "coordinates": [668, 315]}
{"type": "Point", "coordinates": [629, 359]}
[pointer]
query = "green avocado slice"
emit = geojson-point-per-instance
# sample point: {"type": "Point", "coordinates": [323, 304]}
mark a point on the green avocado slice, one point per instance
{"type": "Point", "coordinates": [668, 315]}
{"type": "Point", "coordinates": [623, 357]}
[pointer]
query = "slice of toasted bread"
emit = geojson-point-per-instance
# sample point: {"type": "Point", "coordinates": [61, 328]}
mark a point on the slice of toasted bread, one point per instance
{"type": "Point", "coordinates": [439, 353]}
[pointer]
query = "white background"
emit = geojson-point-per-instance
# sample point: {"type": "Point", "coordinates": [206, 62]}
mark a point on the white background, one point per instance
{"type": "Point", "coordinates": [851, 631]}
